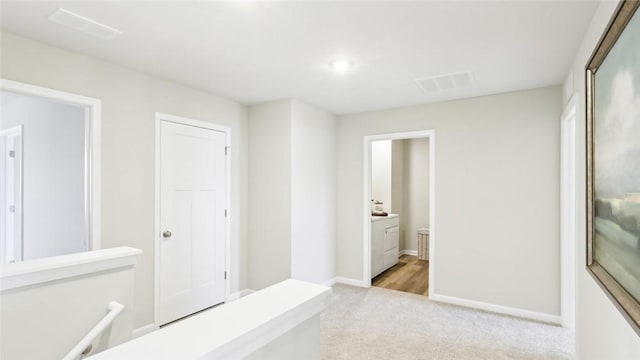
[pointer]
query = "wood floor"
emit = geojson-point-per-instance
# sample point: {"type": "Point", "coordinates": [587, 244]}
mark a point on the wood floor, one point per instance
{"type": "Point", "coordinates": [408, 275]}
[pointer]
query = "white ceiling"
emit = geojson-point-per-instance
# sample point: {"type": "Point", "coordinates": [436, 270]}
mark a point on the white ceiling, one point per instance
{"type": "Point", "coordinates": [258, 51]}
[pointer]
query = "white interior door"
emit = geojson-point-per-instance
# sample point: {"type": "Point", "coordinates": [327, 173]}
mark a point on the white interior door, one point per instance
{"type": "Point", "coordinates": [192, 219]}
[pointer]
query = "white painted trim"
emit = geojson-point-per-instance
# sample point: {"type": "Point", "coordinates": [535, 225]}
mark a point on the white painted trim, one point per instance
{"type": "Point", "coordinates": [156, 226]}
{"type": "Point", "coordinates": [94, 107]}
{"type": "Point", "coordinates": [17, 252]}
{"type": "Point", "coordinates": [352, 282]}
{"type": "Point", "coordinates": [143, 330]}
{"type": "Point", "coordinates": [568, 221]}
{"type": "Point", "coordinates": [499, 309]}
{"type": "Point", "coordinates": [238, 294]}
{"type": "Point", "coordinates": [159, 117]}
{"type": "Point", "coordinates": [432, 213]}
{"type": "Point", "coordinates": [431, 134]}
{"type": "Point", "coordinates": [38, 271]}
{"type": "Point", "coordinates": [409, 252]}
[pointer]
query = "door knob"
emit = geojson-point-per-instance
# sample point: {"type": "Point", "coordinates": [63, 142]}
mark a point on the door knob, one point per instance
{"type": "Point", "coordinates": [166, 234]}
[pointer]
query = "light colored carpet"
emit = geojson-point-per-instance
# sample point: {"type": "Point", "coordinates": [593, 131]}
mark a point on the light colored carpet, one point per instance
{"type": "Point", "coordinates": [378, 323]}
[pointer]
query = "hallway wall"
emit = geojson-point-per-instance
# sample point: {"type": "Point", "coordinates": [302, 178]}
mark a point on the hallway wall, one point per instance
{"type": "Point", "coordinates": [497, 190]}
{"type": "Point", "coordinates": [601, 330]}
{"type": "Point", "coordinates": [129, 102]}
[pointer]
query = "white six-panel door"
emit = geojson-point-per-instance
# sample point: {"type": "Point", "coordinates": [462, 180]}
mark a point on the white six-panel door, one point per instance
{"type": "Point", "coordinates": [192, 219]}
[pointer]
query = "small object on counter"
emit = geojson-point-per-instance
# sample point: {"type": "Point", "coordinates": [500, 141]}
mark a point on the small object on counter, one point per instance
{"type": "Point", "coordinates": [379, 213]}
{"type": "Point", "coordinates": [377, 206]}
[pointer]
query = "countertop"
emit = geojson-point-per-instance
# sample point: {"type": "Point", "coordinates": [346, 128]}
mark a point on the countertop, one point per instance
{"type": "Point", "coordinates": [377, 218]}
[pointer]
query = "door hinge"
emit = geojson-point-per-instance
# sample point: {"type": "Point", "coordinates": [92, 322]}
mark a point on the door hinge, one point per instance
{"type": "Point", "coordinates": [225, 212]}
{"type": "Point", "coordinates": [12, 154]}
{"type": "Point", "coordinates": [12, 208]}
{"type": "Point", "coordinates": [226, 150]}
{"type": "Point", "coordinates": [225, 275]}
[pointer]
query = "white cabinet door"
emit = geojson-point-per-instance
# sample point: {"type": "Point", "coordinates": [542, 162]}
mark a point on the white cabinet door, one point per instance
{"type": "Point", "coordinates": [385, 239]}
{"type": "Point", "coordinates": [192, 213]}
{"type": "Point", "coordinates": [390, 258]}
{"type": "Point", "coordinates": [391, 238]}
{"type": "Point", "coordinates": [391, 245]}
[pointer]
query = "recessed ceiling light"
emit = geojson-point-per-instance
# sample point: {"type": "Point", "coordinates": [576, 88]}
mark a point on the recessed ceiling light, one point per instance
{"type": "Point", "coordinates": [83, 24]}
{"type": "Point", "coordinates": [341, 65]}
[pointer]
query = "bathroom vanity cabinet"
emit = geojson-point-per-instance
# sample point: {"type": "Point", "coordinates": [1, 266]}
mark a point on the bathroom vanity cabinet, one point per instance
{"type": "Point", "coordinates": [385, 243]}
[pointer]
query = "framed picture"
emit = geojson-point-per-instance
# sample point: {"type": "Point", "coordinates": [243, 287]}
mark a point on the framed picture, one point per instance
{"type": "Point", "coordinates": [613, 161]}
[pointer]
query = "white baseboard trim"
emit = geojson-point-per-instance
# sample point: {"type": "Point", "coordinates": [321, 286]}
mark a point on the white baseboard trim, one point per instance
{"type": "Point", "coordinates": [330, 282]}
{"type": "Point", "coordinates": [143, 330]}
{"type": "Point", "coordinates": [409, 252]}
{"type": "Point", "coordinates": [238, 294]}
{"type": "Point", "coordinates": [348, 281]}
{"type": "Point", "coordinates": [500, 309]}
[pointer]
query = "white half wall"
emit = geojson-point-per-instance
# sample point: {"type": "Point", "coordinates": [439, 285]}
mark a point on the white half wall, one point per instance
{"type": "Point", "coordinates": [48, 305]}
{"type": "Point", "coordinates": [497, 183]}
{"type": "Point", "coordinates": [130, 100]}
{"type": "Point", "coordinates": [601, 331]}
{"type": "Point", "coordinates": [313, 193]}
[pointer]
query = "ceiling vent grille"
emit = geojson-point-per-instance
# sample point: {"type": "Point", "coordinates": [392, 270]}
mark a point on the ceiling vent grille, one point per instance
{"type": "Point", "coordinates": [447, 82]}
{"type": "Point", "coordinates": [83, 24]}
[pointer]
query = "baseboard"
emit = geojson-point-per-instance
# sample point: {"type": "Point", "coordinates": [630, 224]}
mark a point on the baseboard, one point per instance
{"type": "Point", "coordinates": [143, 330]}
{"type": "Point", "coordinates": [330, 282]}
{"type": "Point", "coordinates": [499, 309]}
{"type": "Point", "coordinates": [238, 294]}
{"type": "Point", "coordinates": [348, 281]}
{"type": "Point", "coordinates": [409, 252]}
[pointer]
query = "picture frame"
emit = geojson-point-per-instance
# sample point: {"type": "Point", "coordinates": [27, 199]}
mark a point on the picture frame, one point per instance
{"type": "Point", "coordinates": [613, 162]}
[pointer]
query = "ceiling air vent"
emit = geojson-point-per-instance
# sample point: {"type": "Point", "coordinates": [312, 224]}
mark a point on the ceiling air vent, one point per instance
{"type": "Point", "coordinates": [83, 24]}
{"type": "Point", "coordinates": [459, 80]}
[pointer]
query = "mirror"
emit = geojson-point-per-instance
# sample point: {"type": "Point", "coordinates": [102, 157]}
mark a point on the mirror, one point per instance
{"type": "Point", "coordinates": [46, 169]}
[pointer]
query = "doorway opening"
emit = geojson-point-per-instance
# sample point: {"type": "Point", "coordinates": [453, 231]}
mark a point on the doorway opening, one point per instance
{"type": "Point", "coordinates": [399, 211]}
{"type": "Point", "coordinates": [49, 173]}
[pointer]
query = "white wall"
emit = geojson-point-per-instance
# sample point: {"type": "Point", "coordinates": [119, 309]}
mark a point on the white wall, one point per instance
{"type": "Point", "coordinates": [601, 331]}
{"type": "Point", "coordinates": [313, 193]}
{"type": "Point", "coordinates": [497, 188]}
{"type": "Point", "coordinates": [381, 172]}
{"type": "Point", "coordinates": [44, 320]}
{"type": "Point", "coordinates": [269, 253]}
{"type": "Point", "coordinates": [291, 193]}
{"type": "Point", "coordinates": [53, 145]}
{"type": "Point", "coordinates": [129, 102]}
{"type": "Point", "coordinates": [415, 210]}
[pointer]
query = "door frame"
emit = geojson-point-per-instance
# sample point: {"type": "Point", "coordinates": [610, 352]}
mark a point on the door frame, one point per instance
{"type": "Point", "coordinates": [17, 194]}
{"type": "Point", "coordinates": [568, 217]}
{"type": "Point", "coordinates": [93, 175]}
{"type": "Point", "coordinates": [366, 203]}
{"type": "Point", "coordinates": [159, 118]}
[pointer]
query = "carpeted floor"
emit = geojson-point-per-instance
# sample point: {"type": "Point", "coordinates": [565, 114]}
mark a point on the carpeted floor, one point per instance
{"type": "Point", "coordinates": [385, 324]}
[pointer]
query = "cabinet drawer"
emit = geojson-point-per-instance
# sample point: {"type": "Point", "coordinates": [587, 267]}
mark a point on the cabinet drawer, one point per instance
{"type": "Point", "coordinates": [390, 258]}
{"type": "Point", "coordinates": [391, 238]}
